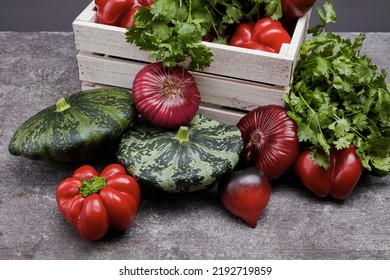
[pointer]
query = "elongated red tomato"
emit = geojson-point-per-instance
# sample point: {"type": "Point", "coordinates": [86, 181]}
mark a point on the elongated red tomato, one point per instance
{"type": "Point", "coordinates": [93, 202]}
{"type": "Point", "coordinates": [271, 141]}
{"type": "Point", "coordinates": [166, 97]}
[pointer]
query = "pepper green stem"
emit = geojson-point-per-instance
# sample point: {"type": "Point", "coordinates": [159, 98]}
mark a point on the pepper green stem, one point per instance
{"type": "Point", "coordinates": [62, 105]}
{"type": "Point", "coordinates": [182, 134]}
{"type": "Point", "coordinates": [91, 186]}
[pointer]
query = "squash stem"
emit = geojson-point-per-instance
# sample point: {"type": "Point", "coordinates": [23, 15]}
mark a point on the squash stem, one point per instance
{"type": "Point", "coordinates": [91, 186]}
{"type": "Point", "coordinates": [182, 134]}
{"type": "Point", "coordinates": [62, 105]}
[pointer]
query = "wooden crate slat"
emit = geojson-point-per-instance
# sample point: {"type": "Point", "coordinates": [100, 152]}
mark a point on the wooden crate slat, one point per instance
{"type": "Point", "coordinates": [215, 90]}
{"type": "Point", "coordinates": [106, 39]}
{"type": "Point", "coordinates": [222, 115]}
{"type": "Point", "coordinates": [237, 93]}
{"type": "Point", "coordinates": [247, 64]}
{"type": "Point", "coordinates": [107, 70]}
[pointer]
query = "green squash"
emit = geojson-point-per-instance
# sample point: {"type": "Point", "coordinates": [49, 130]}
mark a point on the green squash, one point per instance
{"type": "Point", "coordinates": [77, 128]}
{"type": "Point", "coordinates": [184, 160]}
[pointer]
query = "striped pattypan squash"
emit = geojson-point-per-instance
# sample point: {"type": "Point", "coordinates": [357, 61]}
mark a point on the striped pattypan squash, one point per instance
{"type": "Point", "coordinates": [76, 128]}
{"type": "Point", "coordinates": [184, 160]}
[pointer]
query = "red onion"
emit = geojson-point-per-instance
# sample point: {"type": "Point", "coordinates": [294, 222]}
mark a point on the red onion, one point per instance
{"type": "Point", "coordinates": [165, 97]}
{"type": "Point", "coordinates": [271, 141]}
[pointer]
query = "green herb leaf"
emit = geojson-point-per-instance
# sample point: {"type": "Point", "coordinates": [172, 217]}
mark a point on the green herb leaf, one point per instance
{"type": "Point", "coordinates": [330, 13]}
{"type": "Point", "coordinates": [273, 9]}
{"type": "Point", "coordinates": [320, 159]}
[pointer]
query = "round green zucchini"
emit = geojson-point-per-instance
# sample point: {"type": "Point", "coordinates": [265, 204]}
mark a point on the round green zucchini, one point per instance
{"type": "Point", "coordinates": [77, 128]}
{"type": "Point", "coordinates": [184, 160]}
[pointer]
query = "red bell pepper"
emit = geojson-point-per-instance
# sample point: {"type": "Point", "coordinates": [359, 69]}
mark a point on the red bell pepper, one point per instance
{"type": "Point", "coordinates": [338, 180]}
{"type": "Point", "coordinates": [93, 202]}
{"type": "Point", "coordinates": [119, 12]}
{"type": "Point", "coordinates": [266, 35]}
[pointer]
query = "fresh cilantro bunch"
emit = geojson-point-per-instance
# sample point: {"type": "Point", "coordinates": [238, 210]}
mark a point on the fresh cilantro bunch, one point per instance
{"type": "Point", "coordinates": [338, 97]}
{"type": "Point", "coordinates": [172, 30]}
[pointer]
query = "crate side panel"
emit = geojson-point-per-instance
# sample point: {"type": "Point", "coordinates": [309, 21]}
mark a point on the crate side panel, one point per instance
{"type": "Point", "coordinates": [105, 70]}
{"type": "Point", "coordinates": [250, 65]}
{"type": "Point", "coordinates": [275, 69]}
{"type": "Point", "coordinates": [232, 93]}
{"type": "Point", "coordinates": [105, 39]}
{"type": "Point", "coordinates": [236, 93]}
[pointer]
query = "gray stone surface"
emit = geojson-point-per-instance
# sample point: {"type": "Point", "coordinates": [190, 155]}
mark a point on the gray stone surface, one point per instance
{"type": "Point", "coordinates": [36, 69]}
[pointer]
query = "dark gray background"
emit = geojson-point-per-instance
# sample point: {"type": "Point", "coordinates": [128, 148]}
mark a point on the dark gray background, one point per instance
{"type": "Point", "coordinates": [57, 15]}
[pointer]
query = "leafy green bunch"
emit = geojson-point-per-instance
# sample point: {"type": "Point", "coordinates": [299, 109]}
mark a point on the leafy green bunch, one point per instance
{"type": "Point", "coordinates": [338, 97]}
{"type": "Point", "coordinates": [172, 30]}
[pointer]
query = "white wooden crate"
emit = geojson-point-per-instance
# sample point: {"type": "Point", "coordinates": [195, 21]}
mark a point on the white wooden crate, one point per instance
{"type": "Point", "coordinates": [237, 81]}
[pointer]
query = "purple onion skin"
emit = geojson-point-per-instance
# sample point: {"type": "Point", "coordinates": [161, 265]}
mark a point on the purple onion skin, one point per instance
{"type": "Point", "coordinates": [270, 140]}
{"type": "Point", "coordinates": [166, 97]}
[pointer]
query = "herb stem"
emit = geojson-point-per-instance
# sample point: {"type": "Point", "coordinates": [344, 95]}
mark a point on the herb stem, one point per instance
{"type": "Point", "coordinates": [315, 117]}
{"type": "Point", "coordinates": [189, 18]}
{"type": "Point", "coordinates": [313, 61]}
{"type": "Point", "coordinates": [356, 132]}
{"type": "Point", "coordinates": [218, 11]}
{"type": "Point", "coordinates": [254, 10]}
